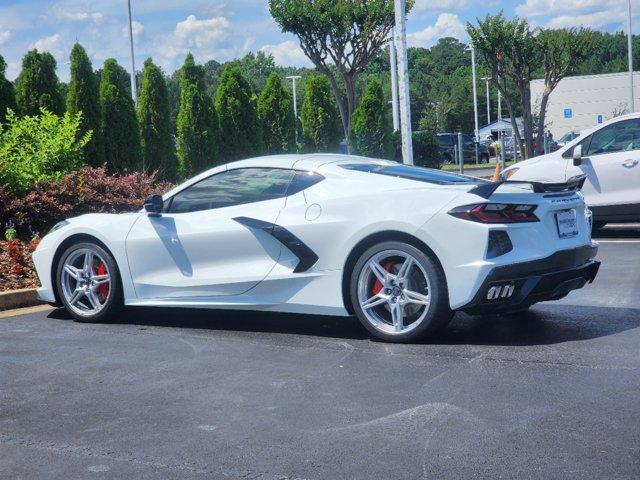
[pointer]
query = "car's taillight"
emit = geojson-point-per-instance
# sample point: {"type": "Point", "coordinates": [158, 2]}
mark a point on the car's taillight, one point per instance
{"type": "Point", "coordinates": [496, 213]}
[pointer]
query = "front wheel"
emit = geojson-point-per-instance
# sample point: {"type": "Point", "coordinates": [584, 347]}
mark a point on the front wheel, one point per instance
{"type": "Point", "coordinates": [399, 293]}
{"type": "Point", "coordinates": [89, 283]}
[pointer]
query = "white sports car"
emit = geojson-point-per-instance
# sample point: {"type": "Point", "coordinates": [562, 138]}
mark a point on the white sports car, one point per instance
{"type": "Point", "coordinates": [402, 247]}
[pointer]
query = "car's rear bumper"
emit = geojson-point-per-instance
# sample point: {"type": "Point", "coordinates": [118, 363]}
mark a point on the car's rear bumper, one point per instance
{"type": "Point", "coordinates": [519, 285]}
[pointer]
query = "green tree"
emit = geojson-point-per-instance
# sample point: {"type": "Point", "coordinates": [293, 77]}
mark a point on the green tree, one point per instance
{"type": "Point", "coordinates": [562, 51]}
{"type": "Point", "coordinates": [372, 133]}
{"type": "Point", "coordinates": [154, 117]}
{"type": "Point", "coordinates": [320, 127]}
{"type": "Point", "coordinates": [275, 110]}
{"type": "Point", "coordinates": [7, 93]}
{"type": "Point", "coordinates": [197, 122]}
{"type": "Point", "coordinates": [340, 38]}
{"type": "Point", "coordinates": [510, 50]}
{"type": "Point", "coordinates": [37, 86]}
{"type": "Point", "coordinates": [83, 97]}
{"type": "Point", "coordinates": [119, 125]}
{"type": "Point", "coordinates": [38, 147]}
{"type": "Point", "coordinates": [239, 127]}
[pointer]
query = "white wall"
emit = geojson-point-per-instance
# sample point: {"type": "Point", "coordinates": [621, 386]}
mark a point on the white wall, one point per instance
{"type": "Point", "coordinates": [587, 96]}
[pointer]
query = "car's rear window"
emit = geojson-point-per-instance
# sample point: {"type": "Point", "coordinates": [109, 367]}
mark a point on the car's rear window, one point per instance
{"type": "Point", "coordinates": [426, 175]}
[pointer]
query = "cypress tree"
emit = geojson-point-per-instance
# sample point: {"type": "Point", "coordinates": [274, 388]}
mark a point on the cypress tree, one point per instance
{"type": "Point", "coordinates": [197, 122]}
{"type": "Point", "coordinates": [83, 97]}
{"type": "Point", "coordinates": [275, 110]}
{"type": "Point", "coordinates": [372, 133]}
{"type": "Point", "coordinates": [239, 127]}
{"type": "Point", "coordinates": [37, 85]}
{"type": "Point", "coordinates": [119, 124]}
{"type": "Point", "coordinates": [320, 116]}
{"type": "Point", "coordinates": [7, 93]}
{"type": "Point", "coordinates": [154, 117]}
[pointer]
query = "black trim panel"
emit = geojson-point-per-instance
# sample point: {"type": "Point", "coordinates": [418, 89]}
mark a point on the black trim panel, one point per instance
{"type": "Point", "coordinates": [307, 257]}
{"type": "Point", "coordinates": [549, 278]}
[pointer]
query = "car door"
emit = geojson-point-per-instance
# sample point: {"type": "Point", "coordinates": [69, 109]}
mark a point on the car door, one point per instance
{"type": "Point", "coordinates": [197, 248]}
{"type": "Point", "coordinates": [611, 161]}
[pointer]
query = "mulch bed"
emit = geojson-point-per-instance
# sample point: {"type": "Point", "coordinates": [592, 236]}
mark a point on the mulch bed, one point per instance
{"type": "Point", "coordinates": [16, 266]}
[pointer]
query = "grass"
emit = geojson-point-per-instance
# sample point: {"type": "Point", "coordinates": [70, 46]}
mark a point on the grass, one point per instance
{"type": "Point", "coordinates": [473, 166]}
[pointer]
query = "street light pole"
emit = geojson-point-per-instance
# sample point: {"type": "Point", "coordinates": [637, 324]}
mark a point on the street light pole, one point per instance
{"type": "Point", "coordinates": [403, 77]}
{"type": "Point", "coordinates": [134, 87]}
{"type": "Point", "coordinates": [393, 62]}
{"type": "Point", "coordinates": [630, 51]}
{"type": "Point", "coordinates": [293, 78]}
{"type": "Point", "coordinates": [486, 79]}
{"type": "Point", "coordinates": [475, 98]}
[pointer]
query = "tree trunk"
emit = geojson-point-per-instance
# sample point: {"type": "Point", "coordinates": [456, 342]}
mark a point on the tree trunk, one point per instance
{"type": "Point", "coordinates": [541, 119]}
{"type": "Point", "coordinates": [514, 125]}
{"type": "Point", "coordinates": [345, 103]}
{"type": "Point", "coordinates": [528, 121]}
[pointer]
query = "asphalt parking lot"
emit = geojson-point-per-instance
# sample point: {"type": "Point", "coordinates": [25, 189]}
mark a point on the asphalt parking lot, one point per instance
{"type": "Point", "coordinates": [551, 394]}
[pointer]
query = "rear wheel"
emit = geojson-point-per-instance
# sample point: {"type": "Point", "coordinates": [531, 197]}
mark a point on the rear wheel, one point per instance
{"type": "Point", "coordinates": [88, 283]}
{"type": "Point", "coordinates": [484, 158]}
{"type": "Point", "coordinates": [399, 293]}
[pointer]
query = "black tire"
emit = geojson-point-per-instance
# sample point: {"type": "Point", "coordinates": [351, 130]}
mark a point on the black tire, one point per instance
{"type": "Point", "coordinates": [114, 302]}
{"type": "Point", "coordinates": [439, 313]}
{"type": "Point", "coordinates": [484, 159]}
{"type": "Point", "coordinates": [447, 159]}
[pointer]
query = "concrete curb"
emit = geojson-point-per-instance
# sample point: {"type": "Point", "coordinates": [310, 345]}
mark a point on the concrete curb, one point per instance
{"type": "Point", "coordinates": [26, 297]}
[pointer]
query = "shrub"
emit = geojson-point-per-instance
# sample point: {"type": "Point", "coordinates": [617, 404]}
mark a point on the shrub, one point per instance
{"type": "Point", "coordinates": [425, 149]}
{"type": "Point", "coordinates": [89, 190]}
{"type": "Point", "coordinates": [37, 148]}
{"type": "Point", "coordinates": [320, 117]}
{"type": "Point", "coordinates": [275, 110]}
{"type": "Point", "coordinates": [371, 131]}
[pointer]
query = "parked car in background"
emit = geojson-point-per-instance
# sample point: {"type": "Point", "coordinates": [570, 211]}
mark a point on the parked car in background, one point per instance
{"type": "Point", "coordinates": [609, 156]}
{"type": "Point", "coordinates": [447, 144]}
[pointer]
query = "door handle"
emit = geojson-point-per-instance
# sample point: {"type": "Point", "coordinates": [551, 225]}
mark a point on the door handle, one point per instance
{"type": "Point", "coordinates": [630, 163]}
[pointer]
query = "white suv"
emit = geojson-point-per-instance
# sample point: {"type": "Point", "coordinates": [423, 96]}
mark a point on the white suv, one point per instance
{"type": "Point", "coordinates": [609, 155]}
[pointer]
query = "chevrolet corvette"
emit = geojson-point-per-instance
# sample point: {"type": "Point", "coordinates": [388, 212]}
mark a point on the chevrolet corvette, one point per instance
{"type": "Point", "coordinates": [401, 247]}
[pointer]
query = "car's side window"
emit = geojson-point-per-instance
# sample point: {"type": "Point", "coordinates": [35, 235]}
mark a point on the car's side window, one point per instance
{"type": "Point", "coordinates": [618, 137]}
{"type": "Point", "coordinates": [233, 187]}
{"type": "Point", "coordinates": [585, 147]}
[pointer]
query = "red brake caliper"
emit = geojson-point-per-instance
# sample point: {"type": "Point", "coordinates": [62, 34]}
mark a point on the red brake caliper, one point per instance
{"type": "Point", "coordinates": [103, 290]}
{"type": "Point", "coordinates": [378, 285]}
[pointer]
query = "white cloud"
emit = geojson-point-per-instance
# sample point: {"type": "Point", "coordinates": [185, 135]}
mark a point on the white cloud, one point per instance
{"type": "Point", "coordinates": [196, 33]}
{"type": "Point", "coordinates": [592, 20]}
{"type": "Point", "coordinates": [430, 5]}
{"type": "Point", "coordinates": [206, 39]}
{"type": "Point", "coordinates": [287, 53]}
{"type": "Point", "coordinates": [48, 44]}
{"type": "Point", "coordinates": [77, 16]}
{"type": "Point", "coordinates": [136, 27]}
{"type": "Point", "coordinates": [447, 25]}
{"type": "Point", "coordinates": [5, 35]}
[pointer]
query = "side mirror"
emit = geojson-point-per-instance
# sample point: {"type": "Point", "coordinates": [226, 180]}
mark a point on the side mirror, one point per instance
{"type": "Point", "coordinates": [154, 205]}
{"type": "Point", "coordinates": [577, 155]}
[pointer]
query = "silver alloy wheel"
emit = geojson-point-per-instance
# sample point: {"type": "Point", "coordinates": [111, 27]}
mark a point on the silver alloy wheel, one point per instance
{"type": "Point", "coordinates": [85, 277]}
{"type": "Point", "coordinates": [394, 292]}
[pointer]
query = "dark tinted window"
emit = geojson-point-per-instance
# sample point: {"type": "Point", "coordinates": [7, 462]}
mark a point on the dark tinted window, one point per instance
{"type": "Point", "coordinates": [409, 172]}
{"type": "Point", "coordinates": [303, 180]}
{"type": "Point", "coordinates": [585, 147]}
{"type": "Point", "coordinates": [233, 187]}
{"type": "Point", "coordinates": [618, 137]}
{"type": "Point", "coordinates": [445, 140]}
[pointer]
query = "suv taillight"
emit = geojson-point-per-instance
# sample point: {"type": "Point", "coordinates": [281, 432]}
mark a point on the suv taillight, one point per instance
{"type": "Point", "coordinates": [496, 213]}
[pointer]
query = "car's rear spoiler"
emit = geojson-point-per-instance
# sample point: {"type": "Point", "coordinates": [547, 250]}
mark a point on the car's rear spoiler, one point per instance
{"type": "Point", "coordinates": [574, 184]}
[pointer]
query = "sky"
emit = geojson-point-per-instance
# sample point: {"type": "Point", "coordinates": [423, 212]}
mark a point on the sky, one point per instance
{"type": "Point", "coordinates": [167, 29]}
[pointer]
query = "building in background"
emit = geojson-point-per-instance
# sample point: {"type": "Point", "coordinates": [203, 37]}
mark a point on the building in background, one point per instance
{"type": "Point", "coordinates": [582, 102]}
